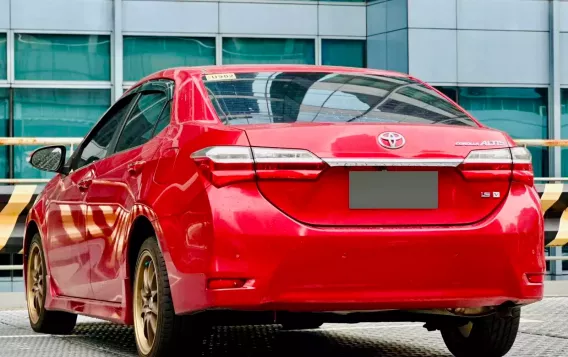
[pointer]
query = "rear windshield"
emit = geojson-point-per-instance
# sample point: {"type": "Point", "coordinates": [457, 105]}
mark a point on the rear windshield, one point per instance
{"type": "Point", "coordinates": [288, 97]}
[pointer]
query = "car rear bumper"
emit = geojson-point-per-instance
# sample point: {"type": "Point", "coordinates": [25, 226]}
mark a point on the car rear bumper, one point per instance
{"type": "Point", "coordinates": [293, 267]}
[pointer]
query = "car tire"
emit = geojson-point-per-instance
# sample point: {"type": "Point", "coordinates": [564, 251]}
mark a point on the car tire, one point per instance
{"type": "Point", "coordinates": [42, 320]}
{"type": "Point", "coordinates": [172, 333]}
{"type": "Point", "coordinates": [491, 336]}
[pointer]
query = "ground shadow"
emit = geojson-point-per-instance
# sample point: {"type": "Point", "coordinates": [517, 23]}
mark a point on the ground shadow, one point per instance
{"type": "Point", "coordinates": [256, 341]}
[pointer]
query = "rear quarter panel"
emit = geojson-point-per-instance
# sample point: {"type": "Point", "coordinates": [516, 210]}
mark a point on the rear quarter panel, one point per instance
{"type": "Point", "coordinates": [177, 194]}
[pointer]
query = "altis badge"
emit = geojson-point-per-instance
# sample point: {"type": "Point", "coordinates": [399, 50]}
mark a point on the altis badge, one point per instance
{"type": "Point", "coordinates": [481, 143]}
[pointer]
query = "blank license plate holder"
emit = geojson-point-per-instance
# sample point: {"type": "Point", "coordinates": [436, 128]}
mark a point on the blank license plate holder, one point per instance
{"type": "Point", "coordinates": [393, 190]}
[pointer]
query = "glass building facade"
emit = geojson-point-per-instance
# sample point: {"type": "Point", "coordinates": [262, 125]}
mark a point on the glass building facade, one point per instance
{"type": "Point", "coordinates": [63, 65]}
{"type": "Point", "coordinates": [60, 84]}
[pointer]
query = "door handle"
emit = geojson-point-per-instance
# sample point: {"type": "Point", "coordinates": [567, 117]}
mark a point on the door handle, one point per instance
{"type": "Point", "coordinates": [134, 168]}
{"type": "Point", "coordinates": [85, 184]}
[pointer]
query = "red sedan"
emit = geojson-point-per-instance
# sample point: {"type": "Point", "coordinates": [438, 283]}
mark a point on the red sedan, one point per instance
{"type": "Point", "coordinates": [294, 195]}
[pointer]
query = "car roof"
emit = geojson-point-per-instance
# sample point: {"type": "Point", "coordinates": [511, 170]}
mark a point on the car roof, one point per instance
{"type": "Point", "coordinates": [175, 72]}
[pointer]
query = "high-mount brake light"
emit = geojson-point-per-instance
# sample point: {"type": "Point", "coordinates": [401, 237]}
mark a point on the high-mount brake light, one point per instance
{"type": "Point", "coordinates": [223, 165]}
{"type": "Point", "coordinates": [499, 164]}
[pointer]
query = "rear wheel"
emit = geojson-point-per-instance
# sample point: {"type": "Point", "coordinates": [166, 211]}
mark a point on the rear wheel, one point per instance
{"type": "Point", "coordinates": [158, 330]}
{"type": "Point", "coordinates": [491, 336]}
{"type": "Point", "coordinates": [42, 320]}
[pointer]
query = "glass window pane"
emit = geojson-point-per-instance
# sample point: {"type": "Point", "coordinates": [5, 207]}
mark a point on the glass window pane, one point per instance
{"type": "Point", "coordinates": [286, 97]}
{"type": "Point", "coordinates": [97, 147]}
{"type": "Point", "coordinates": [146, 55]}
{"type": "Point", "coordinates": [268, 50]}
{"type": "Point", "coordinates": [350, 53]}
{"type": "Point", "coordinates": [53, 113]}
{"type": "Point", "coordinates": [521, 112]}
{"type": "Point", "coordinates": [164, 119]}
{"type": "Point", "coordinates": [4, 115]}
{"type": "Point", "coordinates": [140, 125]}
{"type": "Point", "coordinates": [564, 130]}
{"type": "Point", "coordinates": [3, 57]}
{"type": "Point", "coordinates": [62, 57]}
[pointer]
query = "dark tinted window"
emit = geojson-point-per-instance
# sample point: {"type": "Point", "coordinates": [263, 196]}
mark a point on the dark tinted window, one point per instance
{"type": "Point", "coordinates": [286, 97]}
{"type": "Point", "coordinates": [140, 125]}
{"type": "Point", "coordinates": [164, 119]}
{"type": "Point", "coordinates": [97, 147]}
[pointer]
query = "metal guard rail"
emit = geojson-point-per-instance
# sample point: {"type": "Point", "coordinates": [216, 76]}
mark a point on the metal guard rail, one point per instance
{"type": "Point", "coordinates": [18, 197]}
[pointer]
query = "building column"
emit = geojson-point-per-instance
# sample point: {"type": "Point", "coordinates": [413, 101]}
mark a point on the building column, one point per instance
{"type": "Point", "coordinates": [116, 51]}
{"type": "Point", "coordinates": [554, 110]}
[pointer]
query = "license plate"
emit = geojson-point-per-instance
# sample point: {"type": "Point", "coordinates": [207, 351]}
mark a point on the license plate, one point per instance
{"type": "Point", "coordinates": [393, 190]}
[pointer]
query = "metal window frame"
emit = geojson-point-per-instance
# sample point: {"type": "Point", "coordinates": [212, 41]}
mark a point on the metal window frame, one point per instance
{"type": "Point", "coordinates": [293, 2]}
{"type": "Point", "coordinates": [63, 32]}
{"type": "Point", "coordinates": [62, 84]}
{"type": "Point", "coordinates": [335, 37]}
{"type": "Point", "coordinates": [116, 52]}
{"type": "Point", "coordinates": [11, 53]}
{"type": "Point", "coordinates": [219, 49]}
{"type": "Point", "coordinates": [169, 34]}
{"type": "Point", "coordinates": [317, 48]}
{"type": "Point", "coordinates": [272, 36]}
{"type": "Point", "coordinates": [487, 85]}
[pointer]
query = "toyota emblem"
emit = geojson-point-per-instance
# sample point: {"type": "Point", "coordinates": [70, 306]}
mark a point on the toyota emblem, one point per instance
{"type": "Point", "coordinates": [391, 140]}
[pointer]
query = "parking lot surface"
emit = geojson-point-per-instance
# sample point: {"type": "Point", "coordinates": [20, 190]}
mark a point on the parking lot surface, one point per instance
{"type": "Point", "coordinates": [544, 332]}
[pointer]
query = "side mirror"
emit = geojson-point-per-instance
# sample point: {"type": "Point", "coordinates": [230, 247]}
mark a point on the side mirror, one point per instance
{"type": "Point", "coordinates": [49, 158]}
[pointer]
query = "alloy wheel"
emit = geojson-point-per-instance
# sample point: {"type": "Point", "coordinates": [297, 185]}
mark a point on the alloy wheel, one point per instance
{"type": "Point", "coordinates": [35, 283]}
{"type": "Point", "coordinates": [146, 302]}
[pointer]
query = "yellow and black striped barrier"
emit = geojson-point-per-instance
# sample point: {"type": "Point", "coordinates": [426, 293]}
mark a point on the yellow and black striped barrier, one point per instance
{"type": "Point", "coordinates": [15, 203]}
{"type": "Point", "coordinates": [17, 200]}
{"type": "Point", "coordinates": [554, 201]}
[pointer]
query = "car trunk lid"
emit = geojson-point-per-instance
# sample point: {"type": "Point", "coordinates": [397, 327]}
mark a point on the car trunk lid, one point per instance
{"type": "Point", "coordinates": [369, 183]}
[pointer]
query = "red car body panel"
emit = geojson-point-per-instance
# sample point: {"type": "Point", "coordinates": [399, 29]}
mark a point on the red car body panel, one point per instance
{"type": "Point", "coordinates": [294, 245]}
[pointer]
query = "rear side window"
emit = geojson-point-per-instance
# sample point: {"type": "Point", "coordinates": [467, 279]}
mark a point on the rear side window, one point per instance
{"type": "Point", "coordinates": [288, 97]}
{"type": "Point", "coordinates": [140, 126]}
{"type": "Point", "coordinates": [97, 147]}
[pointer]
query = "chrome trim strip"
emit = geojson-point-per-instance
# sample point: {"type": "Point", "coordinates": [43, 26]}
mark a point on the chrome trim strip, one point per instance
{"type": "Point", "coordinates": [279, 160]}
{"type": "Point", "coordinates": [392, 162]}
{"type": "Point", "coordinates": [490, 161]}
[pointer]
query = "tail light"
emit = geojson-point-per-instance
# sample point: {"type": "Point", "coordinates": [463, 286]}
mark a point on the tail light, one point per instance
{"type": "Point", "coordinates": [499, 164]}
{"type": "Point", "coordinates": [522, 165]}
{"type": "Point", "coordinates": [223, 165]}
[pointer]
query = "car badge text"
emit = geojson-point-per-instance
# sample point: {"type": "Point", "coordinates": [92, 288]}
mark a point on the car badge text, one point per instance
{"type": "Point", "coordinates": [391, 140]}
{"type": "Point", "coordinates": [481, 143]}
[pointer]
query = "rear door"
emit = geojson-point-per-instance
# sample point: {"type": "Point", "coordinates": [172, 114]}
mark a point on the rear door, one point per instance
{"type": "Point", "coordinates": [120, 181]}
{"type": "Point", "coordinates": [394, 147]}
